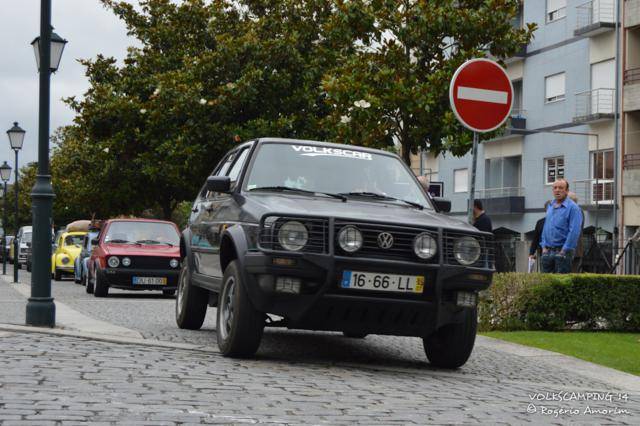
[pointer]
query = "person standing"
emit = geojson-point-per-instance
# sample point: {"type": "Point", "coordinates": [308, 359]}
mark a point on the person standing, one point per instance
{"type": "Point", "coordinates": [482, 221]}
{"type": "Point", "coordinates": [561, 231]}
{"type": "Point", "coordinates": [537, 234]}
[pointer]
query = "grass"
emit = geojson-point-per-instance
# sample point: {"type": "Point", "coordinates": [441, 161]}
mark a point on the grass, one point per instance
{"type": "Point", "coordinates": [616, 350]}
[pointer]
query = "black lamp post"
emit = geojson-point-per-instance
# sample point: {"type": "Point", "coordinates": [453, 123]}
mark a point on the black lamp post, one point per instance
{"type": "Point", "coordinates": [41, 311]}
{"type": "Point", "coordinates": [16, 139]}
{"type": "Point", "coordinates": [5, 175]}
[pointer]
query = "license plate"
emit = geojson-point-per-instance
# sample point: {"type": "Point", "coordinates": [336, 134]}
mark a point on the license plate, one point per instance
{"type": "Point", "coordinates": [382, 282]}
{"type": "Point", "coordinates": [150, 280]}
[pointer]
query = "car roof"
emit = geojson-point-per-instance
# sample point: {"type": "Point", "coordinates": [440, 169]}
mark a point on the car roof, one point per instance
{"type": "Point", "coordinates": [75, 233]}
{"type": "Point", "coordinates": [324, 144]}
{"type": "Point", "coordinates": [137, 219]}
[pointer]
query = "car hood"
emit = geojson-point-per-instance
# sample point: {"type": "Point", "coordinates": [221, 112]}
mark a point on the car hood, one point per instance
{"type": "Point", "coordinates": [353, 209]}
{"type": "Point", "coordinates": [141, 250]}
{"type": "Point", "coordinates": [71, 250]}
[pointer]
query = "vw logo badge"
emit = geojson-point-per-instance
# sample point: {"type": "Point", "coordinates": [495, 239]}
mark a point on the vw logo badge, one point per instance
{"type": "Point", "coordinates": [385, 240]}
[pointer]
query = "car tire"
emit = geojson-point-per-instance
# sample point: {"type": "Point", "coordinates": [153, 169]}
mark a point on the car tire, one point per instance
{"type": "Point", "coordinates": [100, 289]}
{"type": "Point", "coordinates": [88, 285]}
{"type": "Point", "coordinates": [191, 303]}
{"type": "Point", "coordinates": [354, 335]}
{"type": "Point", "coordinates": [239, 325]}
{"type": "Point", "coordinates": [57, 275]}
{"type": "Point", "coordinates": [450, 346]}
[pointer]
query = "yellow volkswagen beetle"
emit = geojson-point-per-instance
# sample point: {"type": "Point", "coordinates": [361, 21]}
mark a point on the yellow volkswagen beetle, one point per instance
{"type": "Point", "coordinates": [67, 248]}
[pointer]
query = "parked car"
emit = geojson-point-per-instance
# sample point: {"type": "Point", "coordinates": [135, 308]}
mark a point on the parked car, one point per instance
{"type": "Point", "coordinates": [82, 260]}
{"type": "Point", "coordinates": [24, 239]}
{"type": "Point", "coordinates": [135, 254]}
{"type": "Point", "coordinates": [7, 246]}
{"type": "Point", "coordinates": [67, 248]}
{"type": "Point", "coordinates": [335, 237]}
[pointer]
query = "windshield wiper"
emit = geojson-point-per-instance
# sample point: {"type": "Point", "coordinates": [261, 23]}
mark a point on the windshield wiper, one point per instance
{"type": "Point", "coordinates": [306, 191]}
{"type": "Point", "coordinates": [382, 197]}
{"type": "Point", "coordinates": [120, 241]}
{"type": "Point", "coordinates": [153, 242]}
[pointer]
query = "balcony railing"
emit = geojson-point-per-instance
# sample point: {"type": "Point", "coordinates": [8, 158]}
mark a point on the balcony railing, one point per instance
{"type": "Point", "coordinates": [631, 161]}
{"type": "Point", "coordinates": [487, 193]}
{"type": "Point", "coordinates": [632, 76]}
{"type": "Point", "coordinates": [595, 17]}
{"type": "Point", "coordinates": [593, 105]}
{"type": "Point", "coordinates": [591, 192]}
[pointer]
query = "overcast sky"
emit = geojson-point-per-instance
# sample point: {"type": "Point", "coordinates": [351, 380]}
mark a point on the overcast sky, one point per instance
{"type": "Point", "coordinates": [89, 28]}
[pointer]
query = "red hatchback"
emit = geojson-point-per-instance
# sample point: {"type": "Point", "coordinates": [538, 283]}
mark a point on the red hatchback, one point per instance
{"type": "Point", "coordinates": [135, 254]}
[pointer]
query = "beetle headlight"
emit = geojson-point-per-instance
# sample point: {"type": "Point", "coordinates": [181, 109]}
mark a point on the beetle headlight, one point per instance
{"type": "Point", "coordinates": [126, 261]}
{"type": "Point", "coordinates": [293, 235]}
{"type": "Point", "coordinates": [113, 262]}
{"type": "Point", "coordinates": [466, 250]}
{"type": "Point", "coordinates": [174, 263]}
{"type": "Point", "coordinates": [65, 260]}
{"type": "Point", "coordinates": [425, 246]}
{"type": "Point", "coordinates": [350, 239]}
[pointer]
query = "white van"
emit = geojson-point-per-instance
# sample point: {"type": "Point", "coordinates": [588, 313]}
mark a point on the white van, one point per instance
{"type": "Point", "coordinates": [23, 237]}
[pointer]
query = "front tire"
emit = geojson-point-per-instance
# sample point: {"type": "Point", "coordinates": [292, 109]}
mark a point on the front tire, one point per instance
{"type": "Point", "coordinates": [57, 275]}
{"type": "Point", "coordinates": [239, 325]}
{"type": "Point", "coordinates": [88, 285]}
{"type": "Point", "coordinates": [191, 303]}
{"type": "Point", "coordinates": [101, 289]}
{"type": "Point", "coordinates": [450, 346]}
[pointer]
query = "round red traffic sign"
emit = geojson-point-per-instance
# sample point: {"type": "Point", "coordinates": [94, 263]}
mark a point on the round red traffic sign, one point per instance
{"type": "Point", "coordinates": [481, 95]}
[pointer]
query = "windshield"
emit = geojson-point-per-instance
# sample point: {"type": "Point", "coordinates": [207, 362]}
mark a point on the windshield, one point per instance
{"type": "Point", "coordinates": [142, 233]}
{"type": "Point", "coordinates": [26, 237]}
{"type": "Point", "coordinates": [333, 170]}
{"type": "Point", "coordinates": [72, 240]}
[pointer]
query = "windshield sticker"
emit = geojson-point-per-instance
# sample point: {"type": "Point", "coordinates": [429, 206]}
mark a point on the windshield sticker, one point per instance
{"type": "Point", "coordinates": [315, 151]}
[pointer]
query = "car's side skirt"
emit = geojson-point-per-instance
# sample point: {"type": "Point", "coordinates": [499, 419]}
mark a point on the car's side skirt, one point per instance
{"type": "Point", "coordinates": [210, 283]}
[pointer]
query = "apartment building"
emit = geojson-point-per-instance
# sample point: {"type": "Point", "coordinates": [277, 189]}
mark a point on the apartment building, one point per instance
{"type": "Point", "coordinates": [562, 124]}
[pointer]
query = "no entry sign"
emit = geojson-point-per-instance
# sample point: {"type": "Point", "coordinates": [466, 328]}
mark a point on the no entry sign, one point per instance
{"type": "Point", "coordinates": [481, 95]}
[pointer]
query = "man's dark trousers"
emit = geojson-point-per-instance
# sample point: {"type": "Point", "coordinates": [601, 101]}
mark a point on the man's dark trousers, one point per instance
{"type": "Point", "coordinates": [555, 263]}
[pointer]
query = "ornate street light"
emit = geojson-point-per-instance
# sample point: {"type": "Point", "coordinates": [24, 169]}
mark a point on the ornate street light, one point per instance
{"type": "Point", "coordinates": [5, 175]}
{"type": "Point", "coordinates": [41, 311]}
{"type": "Point", "coordinates": [16, 139]}
{"type": "Point", "coordinates": [57, 46]}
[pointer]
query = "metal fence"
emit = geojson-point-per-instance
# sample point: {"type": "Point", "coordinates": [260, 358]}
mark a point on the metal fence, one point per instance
{"type": "Point", "coordinates": [593, 102]}
{"type": "Point", "coordinates": [594, 191]}
{"type": "Point", "coordinates": [513, 191]}
{"type": "Point", "coordinates": [596, 11]}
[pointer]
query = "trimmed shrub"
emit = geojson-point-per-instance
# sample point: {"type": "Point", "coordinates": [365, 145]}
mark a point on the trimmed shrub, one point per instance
{"type": "Point", "coordinates": [517, 301]}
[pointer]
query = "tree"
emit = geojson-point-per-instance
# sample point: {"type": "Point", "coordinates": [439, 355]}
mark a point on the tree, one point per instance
{"type": "Point", "coordinates": [395, 86]}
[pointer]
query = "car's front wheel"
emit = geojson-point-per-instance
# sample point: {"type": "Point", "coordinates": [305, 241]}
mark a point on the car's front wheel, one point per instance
{"type": "Point", "coordinates": [450, 346]}
{"type": "Point", "coordinates": [101, 289]}
{"type": "Point", "coordinates": [57, 275]}
{"type": "Point", "coordinates": [88, 284]}
{"type": "Point", "coordinates": [239, 325]}
{"type": "Point", "coordinates": [191, 303]}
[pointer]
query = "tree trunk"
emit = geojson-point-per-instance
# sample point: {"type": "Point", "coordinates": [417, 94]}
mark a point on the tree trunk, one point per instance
{"type": "Point", "coordinates": [406, 154]}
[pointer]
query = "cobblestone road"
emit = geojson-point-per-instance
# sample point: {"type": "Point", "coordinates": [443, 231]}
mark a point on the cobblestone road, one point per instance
{"type": "Point", "coordinates": [297, 377]}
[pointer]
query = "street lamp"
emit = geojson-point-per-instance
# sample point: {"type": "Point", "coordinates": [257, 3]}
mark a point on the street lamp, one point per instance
{"type": "Point", "coordinates": [41, 311]}
{"type": "Point", "coordinates": [5, 175]}
{"type": "Point", "coordinates": [16, 139]}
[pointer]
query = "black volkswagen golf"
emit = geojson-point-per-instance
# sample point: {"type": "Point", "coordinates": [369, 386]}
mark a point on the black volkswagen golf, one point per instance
{"type": "Point", "coordinates": [319, 236]}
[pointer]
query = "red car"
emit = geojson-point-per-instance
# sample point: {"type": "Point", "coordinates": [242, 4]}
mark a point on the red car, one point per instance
{"type": "Point", "coordinates": [135, 254]}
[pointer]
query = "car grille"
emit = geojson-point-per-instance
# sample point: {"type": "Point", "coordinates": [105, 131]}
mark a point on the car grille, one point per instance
{"type": "Point", "coordinates": [487, 247]}
{"type": "Point", "coordinates": [318, 230]}
{"type": "Point", "coordinates": [148, 262]}
{"type": "Point", "coordinates": [402, 248]}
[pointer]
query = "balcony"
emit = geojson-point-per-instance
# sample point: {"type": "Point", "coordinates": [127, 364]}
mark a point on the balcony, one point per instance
{"type": "Point", "coordinates": [632, 76]}
{"type": "Point", "coordinates": [594, 193]}
{"type": "Point", "coordinates": [515, 125]}
{"type": "Point", "coordinates": [631, 13]}
{"type": "Point", "coordinates": [631, 161]}
{"type": "Point", "coordinates": [631, 175]}
{"type": "Point", "coordinates": [595, 17]}
{"type": "Point", "coordinates": [500, 201]}
{"type": "Point", "coordinates": [594, 105]}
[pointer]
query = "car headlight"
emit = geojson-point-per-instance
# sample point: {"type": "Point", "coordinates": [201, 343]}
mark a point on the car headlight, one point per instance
{"type": "Point", "coordinates": [425, 246]}
{"type": "Point", "coordinates": [65, 260]}
{"type": "Point", "coordinates": [113, 262]}
{"type": "Point", "coordinates": [293, 235]}
{"type": "Point", "coordinates": [350, 239]}
{"type": "Point", "coordinates": [125, 261]}
{"type": "Point", "coordinates": [174, 263]}
{"type": "Point", "coordinates": [466, 250]}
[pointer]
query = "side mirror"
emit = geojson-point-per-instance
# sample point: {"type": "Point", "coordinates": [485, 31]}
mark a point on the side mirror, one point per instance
{"type": "Point", "coordinates": [442, 204]}
{"type": "Point", "coordinates": [218, 184]}
{"type": "Point", "coordinates": [95, 242]}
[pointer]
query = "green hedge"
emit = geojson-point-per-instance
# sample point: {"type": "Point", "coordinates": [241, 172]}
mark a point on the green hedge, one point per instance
{"type": "Point", "coordinates": [517, 301]}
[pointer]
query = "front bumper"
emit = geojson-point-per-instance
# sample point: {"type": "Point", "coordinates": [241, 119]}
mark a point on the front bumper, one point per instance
{"type": "Point", "coordinates": [323, 304]}
{"type": "Point", "coordinates": [123, 278]}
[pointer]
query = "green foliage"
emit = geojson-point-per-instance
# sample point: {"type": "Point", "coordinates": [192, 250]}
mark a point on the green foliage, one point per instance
{"type": "Point", "coordinates": [554, 302]}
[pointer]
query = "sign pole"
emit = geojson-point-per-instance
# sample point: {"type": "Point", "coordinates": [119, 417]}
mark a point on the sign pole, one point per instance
{"type": "Point", "coordinates": [472, 188]}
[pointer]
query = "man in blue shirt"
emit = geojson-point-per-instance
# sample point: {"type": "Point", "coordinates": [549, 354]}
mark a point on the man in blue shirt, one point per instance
{"type": "Point", "coordinates": [561, 231]}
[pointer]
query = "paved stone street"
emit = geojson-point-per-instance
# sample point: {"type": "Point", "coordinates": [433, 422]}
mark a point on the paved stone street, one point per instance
{"type": "Point", "coordinates": [297, 377]}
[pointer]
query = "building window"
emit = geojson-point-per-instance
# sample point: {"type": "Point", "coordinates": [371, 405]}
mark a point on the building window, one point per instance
{"type": "Point", "coordinates": [554, 88]}
{"type": "Point", "coordinates": [502, 176]}
{"type": "Point", "coordinates": [602, 176]}
{"type": "Point", "coordinates": [556, 9]}
{"type": "Point", "coordinates": [553, 169]}
{"type": "Point", "coordinates": [461, 180]}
